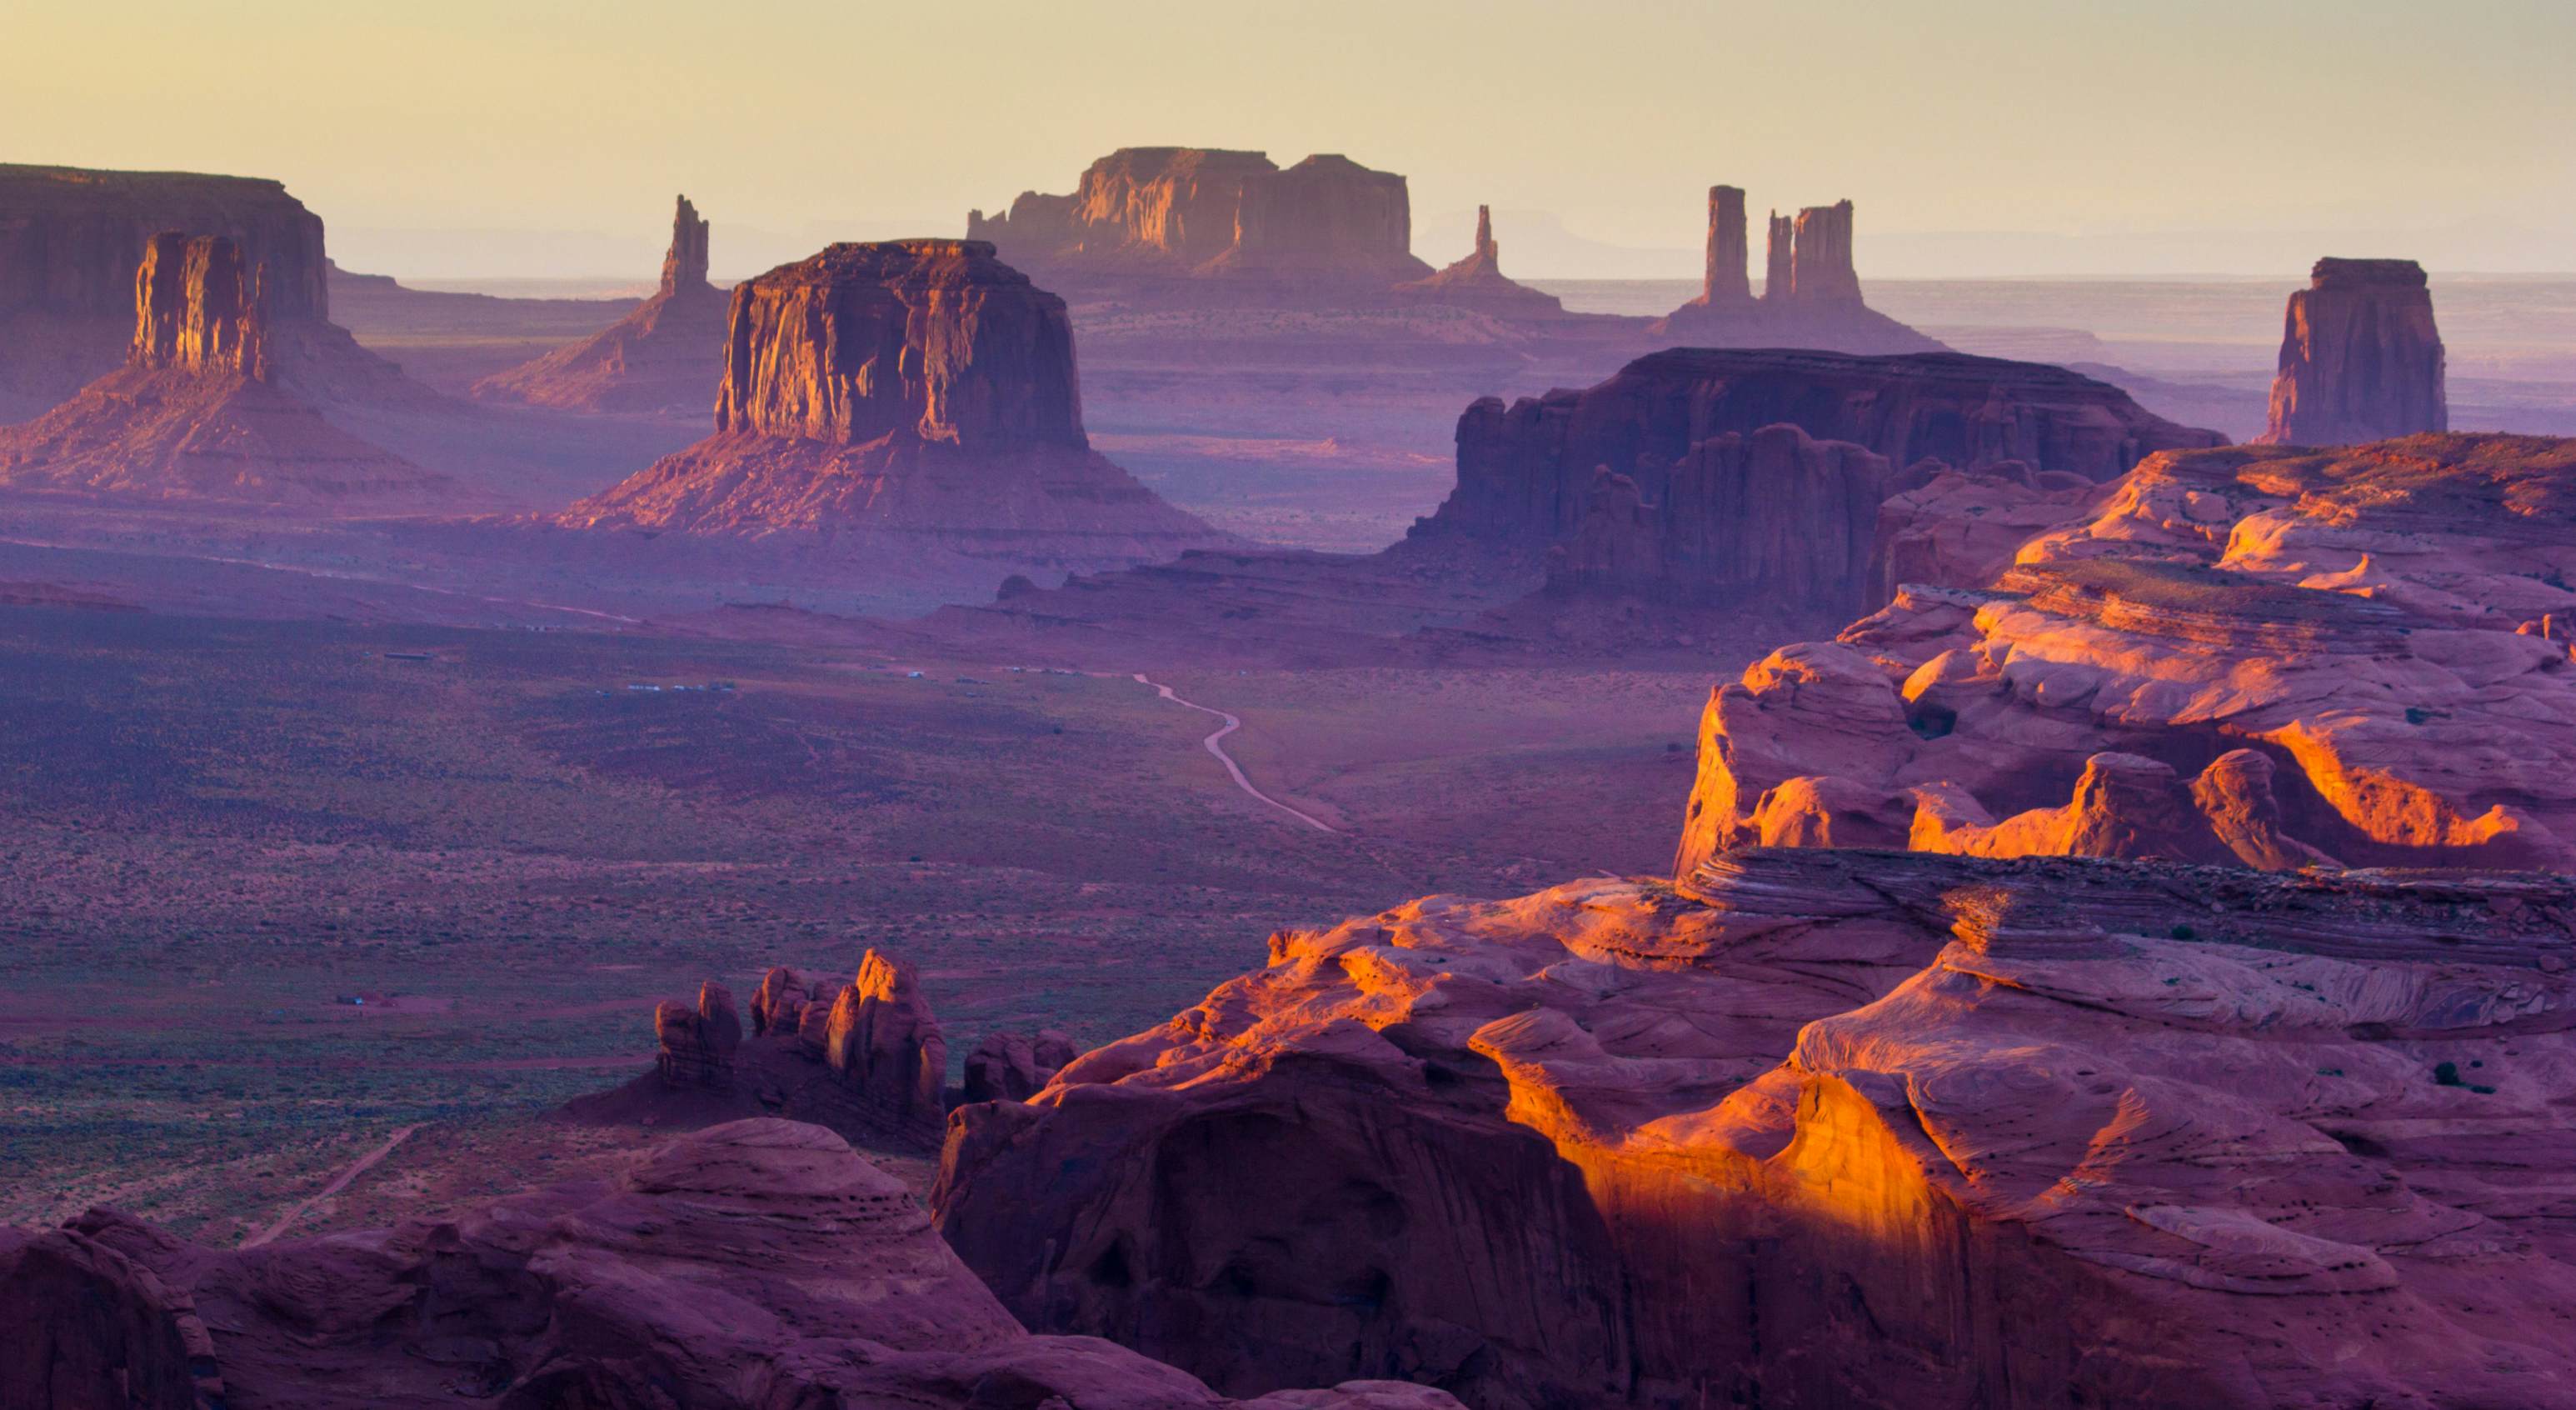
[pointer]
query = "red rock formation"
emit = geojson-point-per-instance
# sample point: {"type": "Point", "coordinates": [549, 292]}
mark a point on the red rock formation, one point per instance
{"type": "Point", "coordinates": [1687, 429]}
{"type": "Point", "coordinates": [2353, 617]}
{"type": "Point", "coordinates": [1820, 262]}
{"type": "Point", "coordinates": [198, 412]}
{"type": "Point", "coordinates": [916, 387]}
{"type": "Point", "coordinates": [1326, 225]}
{"type": "Point", "coordinates": [1012, 1067]}
{"type": "Point", "coordinates": [71, 241]}
{"type": "Point", "coordinates": [1810, 292]}
{"type": "Point", "coordinates": [1726, 283]}
{"type": "Point", "coordinates": [1834, 1129]}
{"type": "Point", "coordinates": [2360, 357]}
{"type": "Point", "coordinates": [754, 1266]}
{"type": "Point", "coordinates": [662, 357]}
{"type": "Point", "coordinates": [1478, 282]}
{"type": "Point", "coordinates": [1775, 515]}
{"type": "Point", "coordinates": [697, 1045]}
{"type": "Point", "coordinates": [886, 1046]}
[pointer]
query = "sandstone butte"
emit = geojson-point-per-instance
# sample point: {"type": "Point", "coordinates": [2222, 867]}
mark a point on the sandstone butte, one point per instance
{"type": "Point", "coordinates": [1766, 479]}
{"type": "Point", "coordinates": [204, 408]}
{"type": "Point", "coordinates": [2360, 357]}
{"type": "Point", "coordinates": [2262, 655]}
{"type": "Point", "coordinates": [1810, 297]}
{"type": "Point", "coordinates": [1819, 1128]}
{"type": "Point", "coordinates": [660, 358]}
{"type": "Point", "coordinates": [913, 387]}
{"type": "Point", "coordinates": [1142, 218]}
{"type": "Point", "coordinates": [71, 240]}
{"type": "Point", "coordinates": [758, 1265]}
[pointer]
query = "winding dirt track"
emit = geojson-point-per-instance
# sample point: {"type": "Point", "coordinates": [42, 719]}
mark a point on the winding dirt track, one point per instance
{"type": "Point", "coordinates": [1214, 744]}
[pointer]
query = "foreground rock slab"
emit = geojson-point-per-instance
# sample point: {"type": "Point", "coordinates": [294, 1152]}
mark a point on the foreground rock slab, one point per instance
{"type": "Point", "coordinates": [1826, 1128]}
{"type": "Point", "coordinates": [760, 1265]}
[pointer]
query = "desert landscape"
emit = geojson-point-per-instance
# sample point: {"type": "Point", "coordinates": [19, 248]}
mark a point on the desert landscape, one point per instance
{"type": "Point", "coordinates": [1763, 753]}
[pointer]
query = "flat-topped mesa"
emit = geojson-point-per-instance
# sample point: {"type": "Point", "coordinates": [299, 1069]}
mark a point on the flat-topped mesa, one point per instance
{"type": "Point", "coordinates": [1525, 472]}
{"type": "Point", "coordinates": [1197, 213]}
{"type": "Point", "coordinates": [71, 241]}
{"type": "Point", "coordinates": [2361, 359]}
{"type": "Point", "coordinates": [198, 309]}
{"type": "Point", "coordinates": [1727, 282]}
{"type": "Point", "coordinates": [929, 340]}
{"type": "Point", "coordinates": [684, 268]}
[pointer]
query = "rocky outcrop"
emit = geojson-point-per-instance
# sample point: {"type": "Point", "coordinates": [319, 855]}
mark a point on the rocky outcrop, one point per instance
{"type": "Point", "coordinates": [1478, 282]}
{"type": "Point", "coordinates": [1836, 1129]}
{"type": "Point", "coordinates": [1774, 515]}
{"type": "Point", "coordinates": [1012, 1067]}
{"type": "Point", "coordinates": [697, 1045]}
{"type": "Point", "coordinates": [2350, 655]}
{"type": "Point", "coordinates": [2360, 357]}
{"type": "Point", "coordinates": [1702, 475]}
{"type": "Point", "coordinates": [916, 387]}
{"type": "Point", "coordinates": [1145, 216]}
{"type": "Point", "coordinates": [752, 1266]}
{"type": "Point", "coordinates": [203, 410]}
{"type": "Point", "coordinates": [883, 1042]}
{"type": "Point", "coordinates": [1810, 292]}
{"type": "Point", "coordinates": [662, 357]}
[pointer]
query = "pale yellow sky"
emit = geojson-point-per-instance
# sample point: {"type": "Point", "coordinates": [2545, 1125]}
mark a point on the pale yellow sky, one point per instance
{"type": "Point", "coordinates": [481, 137]}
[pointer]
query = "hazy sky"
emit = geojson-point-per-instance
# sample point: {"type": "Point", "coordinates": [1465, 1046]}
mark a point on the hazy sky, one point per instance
{"type": "Point", "coordinates": [479, 137]}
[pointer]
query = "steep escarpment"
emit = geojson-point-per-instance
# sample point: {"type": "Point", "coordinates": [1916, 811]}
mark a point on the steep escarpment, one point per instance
{"type": "Point", "coordinates": [2273, 655]}
{"type": "Point", "coordinates": [203, 408]}
{"type": "Point", "coordinates": [1810, 296]}
{"type": "Point", "coordinates": [916, 387]}
{"type": "Point", "coordinates": [662, 357]}
{"type": "Point", "coordinates": [1143, 217]}
{"type": "Point", "coordinates": [2360, 357]}
{"type": "Point", "coordinates": [1702, 474]}
{"type": "Point", "coordinates": [755, 1265]}
{"type": "Point", "coordinates": [71, 241]}
{"type": "Point", "coordinates": [1839, 1129]}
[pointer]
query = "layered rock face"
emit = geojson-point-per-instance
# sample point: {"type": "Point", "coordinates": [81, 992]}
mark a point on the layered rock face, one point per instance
{"type": "Point", "coordinates": [1478, 282]}
{"type": "Point", "coordinates": [1703, 474]}
{"type": "Point", "coordinates": [660, 358]}
{"type": "Point", "coordinates": [916, 386]}
{"type": "Point", "coordinates": [1810, 292]}
{"type": "Point", "coordinates": [2360, 357]}
{"type": "Point", "coordinates": [754, 1266]}
{"type": "Point", "coordinates": [1187, 213]}
{"type": "Point", "coordinates": [2276, 655]}
{"type": "Point", "coordinates": [71, 241]}
{"type": "Point", "coordinates": [1835, 1129]}
{"type": "Point", "coordinates": [198, 411]}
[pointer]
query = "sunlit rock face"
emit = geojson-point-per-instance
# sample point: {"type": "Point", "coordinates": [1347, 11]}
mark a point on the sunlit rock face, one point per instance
{"type": "Point", "coordinates": [915, 387]}
{"type": "Point", "coordinates": [755, 1265]}
{"type": "Point", "coordinates": [2360, 357]}
{"type": "Point", "coordinates": [1166, 213]}
{"type": "Point", "coordinates": [1833, 1128]}
{"type": "Point", "coordinates": [210, 404]}
{"type": "Point", "coordinates": [2270, 655]}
